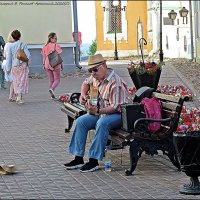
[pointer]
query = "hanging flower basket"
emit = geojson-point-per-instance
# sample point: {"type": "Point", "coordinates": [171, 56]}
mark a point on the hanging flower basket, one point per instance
{"type": "Point", "coordinates": [145, 74]}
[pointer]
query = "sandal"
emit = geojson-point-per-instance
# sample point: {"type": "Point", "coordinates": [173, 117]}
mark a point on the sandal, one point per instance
{"type": "Point", "coordinates": [20, 101]}
{"type": "Point", "coordinates": [7, 169]}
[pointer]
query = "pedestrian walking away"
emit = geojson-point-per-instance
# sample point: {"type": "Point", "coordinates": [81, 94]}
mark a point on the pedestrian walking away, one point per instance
{"type": "Point", "coordinates": [8, 77]}
{"type": "Point", "coordinates": [18, 68]}
{"type": "Point", "coordinates": [2, 75]}
{"type": "Point", "coordinates": [79, 43]}
{"type": "Point", "coordinates": [101, 93]}
{"type": "Point", "coordinates": [52, 72]}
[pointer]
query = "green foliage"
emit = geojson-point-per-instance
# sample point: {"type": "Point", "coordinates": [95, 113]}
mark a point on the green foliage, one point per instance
{"type": "Point", "coordinates": [93, 47]}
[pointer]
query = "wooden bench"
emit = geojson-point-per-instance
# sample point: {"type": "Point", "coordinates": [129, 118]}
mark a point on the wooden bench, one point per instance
{"type": "Point", "coordinates": [142, 141]}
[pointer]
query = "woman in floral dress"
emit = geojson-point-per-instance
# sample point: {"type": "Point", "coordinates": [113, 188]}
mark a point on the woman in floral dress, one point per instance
{"type": "Point", "coordinates": [17, 68]}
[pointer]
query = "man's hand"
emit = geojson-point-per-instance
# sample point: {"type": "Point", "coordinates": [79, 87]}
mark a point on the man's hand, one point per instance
{"type": "Point", "coordinates": [91, 109]}
{"type": "Point", "coordinates": [83, 99]}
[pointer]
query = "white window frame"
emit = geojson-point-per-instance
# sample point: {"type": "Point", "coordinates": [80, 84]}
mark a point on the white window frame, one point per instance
{"type": "Point", "coordinates": [111, 36]}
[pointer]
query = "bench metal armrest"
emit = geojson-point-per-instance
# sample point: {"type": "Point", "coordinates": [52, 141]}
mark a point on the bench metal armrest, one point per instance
{"type": "Point", "coordinates": [140, 126]}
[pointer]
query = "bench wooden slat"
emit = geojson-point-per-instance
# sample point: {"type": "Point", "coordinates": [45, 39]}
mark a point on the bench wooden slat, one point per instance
{"type": "Point", "coordinates": [169, 114]}
{"type": "Point", "coordinates": [170, 106]}
{"type": "Point", "coordinates": [166, 97]}
{"type": "Point", "coordinates": [121, 133]}
{"type": "Point", "coordinates": [117, 140]}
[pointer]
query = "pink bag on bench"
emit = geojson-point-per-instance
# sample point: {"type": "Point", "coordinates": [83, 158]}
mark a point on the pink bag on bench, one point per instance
{"type": "Point", "coordinates": [152, 107]}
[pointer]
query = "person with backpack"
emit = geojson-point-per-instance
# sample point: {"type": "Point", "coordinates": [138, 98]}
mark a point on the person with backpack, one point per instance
{"type": "Point", "coordinates": [52, 72]}
{"type": "Point", "coordinates": [18, 68]}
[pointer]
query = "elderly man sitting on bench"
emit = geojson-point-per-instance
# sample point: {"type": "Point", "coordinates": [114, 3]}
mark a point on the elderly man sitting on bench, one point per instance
{"type": "Point", "coordinates": [105, 115]}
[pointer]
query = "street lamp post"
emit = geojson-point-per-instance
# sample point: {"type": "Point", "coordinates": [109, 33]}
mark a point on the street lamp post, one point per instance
{"type": "Point", "coordinates": [116, 53]}
{"type": "Point", "coordinates": [161, 50]}
{"type": "Point", "coordinates": [76, 34]}
{"type": "Point", "coordinates": [115, 4]}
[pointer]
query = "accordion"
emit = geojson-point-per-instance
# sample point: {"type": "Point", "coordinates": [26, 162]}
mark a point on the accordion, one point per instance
{"type": "Point", "coordinates": [130, 113]}
{"type": "Point", "coordinates": [74, 110]}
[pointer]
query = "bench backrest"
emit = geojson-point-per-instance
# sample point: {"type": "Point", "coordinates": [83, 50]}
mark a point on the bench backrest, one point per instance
{"type": "Point", "coordinates": [171, 108]}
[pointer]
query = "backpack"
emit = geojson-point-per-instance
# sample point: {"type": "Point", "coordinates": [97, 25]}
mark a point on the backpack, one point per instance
{"type": "Point", "coordinates": [152, 107]}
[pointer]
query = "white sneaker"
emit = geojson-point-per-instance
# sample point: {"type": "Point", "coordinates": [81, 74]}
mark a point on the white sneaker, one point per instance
{"type": "Point", "coordinates": [52, 93]}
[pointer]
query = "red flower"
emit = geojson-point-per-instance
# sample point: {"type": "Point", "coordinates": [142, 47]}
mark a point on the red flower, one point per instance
{"type": "Point", "coordinates": [64, 98]}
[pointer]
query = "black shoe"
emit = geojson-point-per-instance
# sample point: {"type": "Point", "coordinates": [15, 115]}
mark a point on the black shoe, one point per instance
{"type": "Point", "coordinates": [3, 86]}
{"type": "Point", "coordinates": [89, 167]}
{"type": "Point", "coordinates": [74, 164]}
{"type": "Point", "coordinates": [52, 93]}
{"type": "Point", "coordinates": [80, 67]}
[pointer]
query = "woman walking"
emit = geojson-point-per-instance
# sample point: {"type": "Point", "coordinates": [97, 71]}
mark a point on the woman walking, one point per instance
{"type": "Point", "coordinates": [52, 72]}
{"type": "Point", "coordinates": [18, 69]}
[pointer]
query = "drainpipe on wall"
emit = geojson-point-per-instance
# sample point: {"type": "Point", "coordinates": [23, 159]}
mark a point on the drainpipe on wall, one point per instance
{"type": "Point", "coordinates": [191, 31]}
{"type": "Point", "coordinates": [76, 33]}
{"type": "Point", "coordinates": [161, 50]}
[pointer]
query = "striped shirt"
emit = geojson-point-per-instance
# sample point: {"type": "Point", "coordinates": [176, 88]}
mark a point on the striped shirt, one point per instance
{"type": "Point", "coordinates": [113, 90]}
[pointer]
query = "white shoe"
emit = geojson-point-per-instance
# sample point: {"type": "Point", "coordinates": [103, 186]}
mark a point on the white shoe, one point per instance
{"type": "Point", "coordinates": [52, 93]}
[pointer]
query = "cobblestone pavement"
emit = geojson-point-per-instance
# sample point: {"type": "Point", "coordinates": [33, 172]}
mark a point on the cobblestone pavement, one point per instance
{"type": "Point", "coordinates": [189, 73]}
{"type": "Point", "coordinates": [33, 138]}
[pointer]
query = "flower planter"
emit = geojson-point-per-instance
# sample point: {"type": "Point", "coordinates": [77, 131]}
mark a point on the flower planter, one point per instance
{"type": "Point", "coordinates": [188, 149]}
{"type": "Point", "coordinates": [146, 79]}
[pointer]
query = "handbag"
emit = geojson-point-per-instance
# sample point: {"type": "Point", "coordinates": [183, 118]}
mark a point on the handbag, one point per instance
{"type": "Point", "coordinates": [54, 58]}
{"type": "Point", "coordinates": [21, 55]}
{"type": "Point", "coordinates": [130, 112]}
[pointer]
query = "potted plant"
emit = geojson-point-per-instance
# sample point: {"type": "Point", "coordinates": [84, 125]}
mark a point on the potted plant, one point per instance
{"type": "Point", "coordinates": [145, 73]}
{"type": "Point", "coordinates": [187, 144]}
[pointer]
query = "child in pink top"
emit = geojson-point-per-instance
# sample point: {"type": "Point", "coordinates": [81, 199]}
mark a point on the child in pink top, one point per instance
{"type": "Point", "coordinates": [53, 73]}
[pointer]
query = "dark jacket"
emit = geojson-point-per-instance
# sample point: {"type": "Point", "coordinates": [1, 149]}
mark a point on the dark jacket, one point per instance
{"type": "Point", "coordinates": [2, 44]}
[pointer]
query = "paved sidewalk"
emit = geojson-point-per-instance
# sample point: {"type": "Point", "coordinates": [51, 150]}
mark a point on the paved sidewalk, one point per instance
{"type": "Point", "coordinates": [32, 137]}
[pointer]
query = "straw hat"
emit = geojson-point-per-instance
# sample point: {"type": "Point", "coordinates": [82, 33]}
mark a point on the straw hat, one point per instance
{"type": "Point", "coordinates": [95, 60]}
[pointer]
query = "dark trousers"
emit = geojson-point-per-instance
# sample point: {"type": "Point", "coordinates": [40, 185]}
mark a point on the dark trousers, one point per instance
{"type": "Point", "coordinates": [2, 78]}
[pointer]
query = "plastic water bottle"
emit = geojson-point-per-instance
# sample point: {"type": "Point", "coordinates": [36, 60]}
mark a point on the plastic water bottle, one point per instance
{"type": "Point", "coordinates": [107, 163]}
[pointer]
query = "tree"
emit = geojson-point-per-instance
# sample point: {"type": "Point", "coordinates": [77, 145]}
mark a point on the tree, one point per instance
{"type": "Point", "coordinates": [93, 47]}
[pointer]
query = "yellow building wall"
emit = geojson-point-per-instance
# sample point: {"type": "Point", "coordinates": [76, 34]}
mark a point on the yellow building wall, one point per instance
{"type": "Point", "coordinates": [134, 10]}
{"type": "Point", "coordinates": [36, 19]}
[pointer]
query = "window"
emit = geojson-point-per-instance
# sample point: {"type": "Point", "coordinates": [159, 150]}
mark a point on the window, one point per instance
{"type": "Point", "coordinates": [111, 28]}
{"type": "Point", "coordinates": [177, 34]}
{"type": "Point", "coordinates": [167, 42]}
{"type": "Point", "coordinates": [185, 43]}
{"type": "Point", "coordinates": [167, 21]}
{"type": "Point", "coordinates": [198, 21]}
